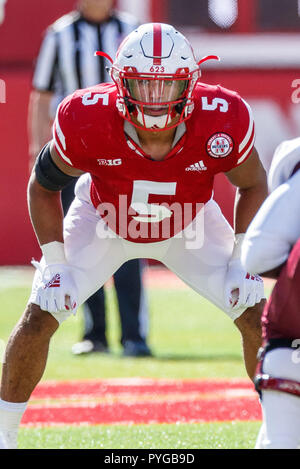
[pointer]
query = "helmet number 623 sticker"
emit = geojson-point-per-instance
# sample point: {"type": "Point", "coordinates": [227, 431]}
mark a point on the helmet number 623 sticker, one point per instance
{"type": "Point", "coordinates": [157, 69]}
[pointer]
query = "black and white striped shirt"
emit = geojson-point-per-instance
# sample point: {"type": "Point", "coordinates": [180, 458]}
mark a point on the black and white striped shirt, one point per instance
{"type": "Point", "coordinates": [66, 59]}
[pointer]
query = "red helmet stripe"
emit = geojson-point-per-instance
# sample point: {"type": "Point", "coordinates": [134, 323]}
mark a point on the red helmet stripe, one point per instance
{"type": "Point", "coordinates": [157, 43]}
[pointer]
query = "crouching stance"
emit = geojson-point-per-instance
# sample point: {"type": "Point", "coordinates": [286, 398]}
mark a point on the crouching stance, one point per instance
{"type": "Point", "coordinates": [147, 148]}
{"type": "Point", "coordinates": [272, 246]}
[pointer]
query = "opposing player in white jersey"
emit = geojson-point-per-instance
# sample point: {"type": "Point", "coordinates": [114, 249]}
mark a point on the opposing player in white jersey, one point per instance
{"type": "Point", "coordinates": [149, 146]}
{"type": "Point", "coordinates": [272, 247]}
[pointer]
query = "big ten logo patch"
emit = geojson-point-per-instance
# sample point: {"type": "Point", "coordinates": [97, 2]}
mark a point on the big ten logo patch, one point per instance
{"type": "Point", "coordinates": [113, 162]}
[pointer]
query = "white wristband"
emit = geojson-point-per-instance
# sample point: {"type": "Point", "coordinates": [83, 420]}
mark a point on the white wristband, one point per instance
{"type": "Point", "coordinates": [237, 248]}
{"type": "Point", "coordinates": [54, 253]}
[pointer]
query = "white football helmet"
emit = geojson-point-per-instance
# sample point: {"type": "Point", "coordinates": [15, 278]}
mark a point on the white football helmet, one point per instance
{"type": "Point", "coordinates": [155, 72]}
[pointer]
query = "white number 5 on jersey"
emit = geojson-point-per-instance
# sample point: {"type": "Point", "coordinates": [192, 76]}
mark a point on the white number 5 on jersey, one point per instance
{"type": "Point", "coordinates": [214, 104]}
{"type": "Point", "coordinates": [89, 100]}
{"type": "Point", "coordinates": [150, 213]}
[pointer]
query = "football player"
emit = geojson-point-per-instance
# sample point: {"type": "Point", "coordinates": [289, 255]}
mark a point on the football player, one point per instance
{"type": "Point", "coordinates": [272, 247]}
{"type": "Point", "coordinates": [147, 148]}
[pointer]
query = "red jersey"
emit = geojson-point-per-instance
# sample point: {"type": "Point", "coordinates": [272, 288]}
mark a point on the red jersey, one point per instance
{"type": "Point", "coordinates": [141, 199]}
{"type": "Point", "coordinates": [281, 318]}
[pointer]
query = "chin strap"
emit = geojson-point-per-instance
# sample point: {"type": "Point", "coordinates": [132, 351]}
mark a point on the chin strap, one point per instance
{"type": "Point", "coordinates": [152, 122]}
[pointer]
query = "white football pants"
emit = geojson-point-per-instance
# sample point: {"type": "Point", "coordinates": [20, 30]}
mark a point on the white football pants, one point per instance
{"type": "Point", "coordinates": [198, 255]}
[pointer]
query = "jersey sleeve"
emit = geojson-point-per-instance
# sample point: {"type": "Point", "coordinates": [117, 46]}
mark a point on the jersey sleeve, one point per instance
{"type": "Point", "coordinates": [46, 68]}
{"type": "Point", "coordinates": [245, 132]}
{"type": "Point", "coordinates": [268, 242]}
{"type": "Point", "coordinates": [64, 133]}
{"type": "Point", "coordinates": [285, 160]}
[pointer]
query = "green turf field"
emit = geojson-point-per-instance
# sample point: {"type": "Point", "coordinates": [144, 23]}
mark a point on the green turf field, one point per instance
{"type": "Point", "coordinates": [229, 435]}
{"type": "Point", "coordinates": [190, 339]}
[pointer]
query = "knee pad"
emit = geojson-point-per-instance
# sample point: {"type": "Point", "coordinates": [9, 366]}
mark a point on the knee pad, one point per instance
{"type": "Point", "coordinates": [278, 368]}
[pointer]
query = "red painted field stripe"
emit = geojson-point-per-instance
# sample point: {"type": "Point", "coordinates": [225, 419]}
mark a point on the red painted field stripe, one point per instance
{"type": "Point", "coordinates": [147, 412]}
{"type": "Point", "coordinates": [135, 386]}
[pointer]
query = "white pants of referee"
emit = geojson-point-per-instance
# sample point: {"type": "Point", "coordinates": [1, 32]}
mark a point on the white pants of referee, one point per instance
{"type": "Point", "coordinates": [200, 263]}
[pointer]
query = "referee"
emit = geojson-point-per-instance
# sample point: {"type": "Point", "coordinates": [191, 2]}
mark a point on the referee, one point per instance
{"type": "Point", "coordinates": [65, 63]}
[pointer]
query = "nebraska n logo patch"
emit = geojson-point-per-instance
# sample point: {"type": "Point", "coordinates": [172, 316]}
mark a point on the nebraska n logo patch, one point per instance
{"type": "Point", "coordinates": [219, 145]}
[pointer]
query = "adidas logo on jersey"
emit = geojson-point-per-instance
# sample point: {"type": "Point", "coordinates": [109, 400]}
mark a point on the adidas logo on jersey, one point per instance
{"type": "Point", "coordinates": [200, 166]}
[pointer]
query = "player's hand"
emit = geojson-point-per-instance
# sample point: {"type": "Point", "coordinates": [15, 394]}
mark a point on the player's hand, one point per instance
{"type": "Point", "coordinates": [241, 288]}
{"type": "Point", "coordinates": [57, 290]}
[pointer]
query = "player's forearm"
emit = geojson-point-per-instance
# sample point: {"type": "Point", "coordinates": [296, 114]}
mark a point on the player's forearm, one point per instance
{"type": "Point", "coordinates": [247, 203]}
{"type": "Point", "coordinates": [46, 212]}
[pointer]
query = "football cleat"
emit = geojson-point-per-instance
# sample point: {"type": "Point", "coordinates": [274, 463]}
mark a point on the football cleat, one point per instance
{"type": "Point", "coordinates": [89, 346]}
{"type": "Point", "coordinates": [136, 349]}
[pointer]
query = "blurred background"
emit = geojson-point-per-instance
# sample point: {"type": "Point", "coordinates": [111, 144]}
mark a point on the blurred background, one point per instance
{"type": "Point", "coordinates": [258, 42]}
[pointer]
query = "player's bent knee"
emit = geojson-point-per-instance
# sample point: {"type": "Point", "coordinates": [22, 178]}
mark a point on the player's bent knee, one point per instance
{"type": "Point", "coordinates": [250, 320]}
{"type": "Point", "coordinates": [38, 321]}
{"type": "Point", "coordinates": [278, 368]}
